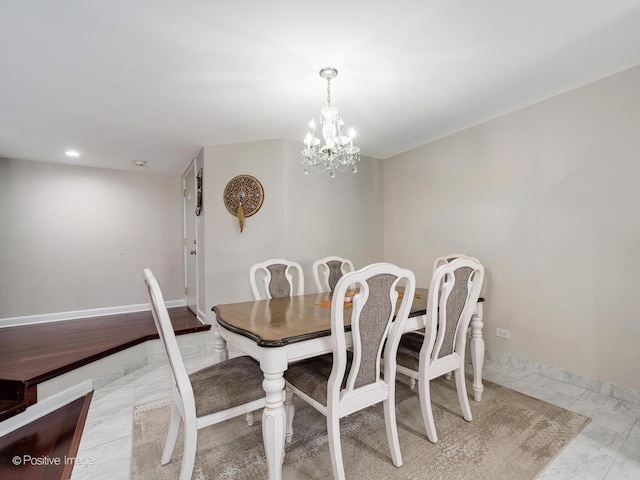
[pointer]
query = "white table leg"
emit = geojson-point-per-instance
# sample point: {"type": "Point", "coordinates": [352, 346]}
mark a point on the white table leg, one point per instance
{"type": "Point", "coordinates": [273, 415]}
{"type": "Point", "coordinates": [476, 347]}
{"type": "Point", "coordinates": [220, 350]}
{"type": "Point", "coordinates": [290, 412]}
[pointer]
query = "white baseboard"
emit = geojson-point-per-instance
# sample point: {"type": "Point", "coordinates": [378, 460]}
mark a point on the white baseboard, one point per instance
{"type": "Point", "coordinates": [45, 406]}
{"type": "Point", "coordinates": [96, 312]}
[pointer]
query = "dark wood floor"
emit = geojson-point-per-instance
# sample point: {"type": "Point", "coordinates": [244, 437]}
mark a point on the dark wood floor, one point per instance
{"type": "Point", "coordinates": [31, 354]}
{"type": "Point", "coordinates": [35, 353]}
{"type": "Point", "coordinates": [46, 448]}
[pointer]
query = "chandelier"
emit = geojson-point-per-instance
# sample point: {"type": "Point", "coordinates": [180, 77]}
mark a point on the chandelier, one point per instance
{"type": "Point", "coordinates": [338, 152]}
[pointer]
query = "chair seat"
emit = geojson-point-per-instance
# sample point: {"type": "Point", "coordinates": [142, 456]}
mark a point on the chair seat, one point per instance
{"type": "Point", "coordinates": [409, 350]}
{"type": "Point", "coordinates": [215, 388]}
{"type": "Point", "coordinates": [310, 376]}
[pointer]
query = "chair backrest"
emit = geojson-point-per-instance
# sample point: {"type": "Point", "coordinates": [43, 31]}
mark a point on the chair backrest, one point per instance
{"type": "Point", "coordinates": [449, 258]}
{"type": "Point", "coordinates": [168, 337]}
{"type": "Point", "coordinates": [453, 293]}
{"type": "Point", "coordinates": [328, 270]}
{"type": "Point", "coordinates": [280, 278]}
{"type": "Point", "coordinates": [372, 328]}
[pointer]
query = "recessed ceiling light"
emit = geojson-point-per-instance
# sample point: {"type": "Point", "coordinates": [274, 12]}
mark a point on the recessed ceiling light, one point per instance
{"type": "Point", "coordinates": [72, 153]}
{"type": "Point", "coordinates": [139, 163]}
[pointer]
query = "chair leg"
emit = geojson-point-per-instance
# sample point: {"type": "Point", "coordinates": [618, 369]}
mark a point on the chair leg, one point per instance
{"type": "Point", "coordinates": [189, 451]}
{"type": "Point", "coordinates": [424, 391]}
{"type": "Point", "coordinates": [172, 435]}
{"type": "Point", "coordinates": [249, 417]}
{"type": "Point", "coordinates": [290, 412]}
{"type": "Point", "coordinates": [461, 387]}
{"type": "Point", "coordinates": [335, 447]}
{"type": "Point", "coordinates": [392, 430]}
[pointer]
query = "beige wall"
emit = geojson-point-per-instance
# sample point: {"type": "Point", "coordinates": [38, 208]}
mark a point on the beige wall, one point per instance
{"type": "Point", "coordinates": [548, 198]}
{"type": "Point", "coordinates": [76, 238]}
{"type": "Point", "coordinates": [303, 218]}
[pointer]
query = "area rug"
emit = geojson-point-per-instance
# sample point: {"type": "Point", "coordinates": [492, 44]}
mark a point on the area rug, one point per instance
{"type": "Point", "coordinates": [511, 436]}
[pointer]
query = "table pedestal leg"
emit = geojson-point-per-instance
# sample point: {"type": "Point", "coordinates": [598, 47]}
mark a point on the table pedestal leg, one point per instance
{"type": "Point", "coordinates": [220, 351]}
{"type": "Point", "coordinates": [476, 347]}
{"type": "Point", "coordinates": [273, 423]}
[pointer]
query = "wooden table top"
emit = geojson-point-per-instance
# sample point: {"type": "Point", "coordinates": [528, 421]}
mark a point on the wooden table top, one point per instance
{"type": "Point", "coordinates": [282, 321]}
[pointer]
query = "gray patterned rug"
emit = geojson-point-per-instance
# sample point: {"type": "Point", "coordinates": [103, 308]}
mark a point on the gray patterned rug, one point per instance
{"type": "Point", "coordinates": [511, 436]}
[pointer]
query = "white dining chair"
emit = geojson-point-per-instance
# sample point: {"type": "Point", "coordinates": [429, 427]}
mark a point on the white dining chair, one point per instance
{"type": "Point", "coordinates": [453, 294]}
{"type": "Point", "coordinates": [345, 381]}
{"type": "Point", "coordinates": [208, 396]}
{"type": "Point", "coordinates": [442, 261]}
{"type": "Point", "coordinates": [328, 270]}
{"type": "Point", "coordinates": [280, 278]}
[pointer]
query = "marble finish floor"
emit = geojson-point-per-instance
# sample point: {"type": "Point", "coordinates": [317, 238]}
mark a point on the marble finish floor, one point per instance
{"type": "Point", "coordinates": [607, 449]}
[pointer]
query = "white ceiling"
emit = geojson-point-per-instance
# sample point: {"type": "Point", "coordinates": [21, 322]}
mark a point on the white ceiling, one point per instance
{"type": "Point", "coordinates": [156, 80]}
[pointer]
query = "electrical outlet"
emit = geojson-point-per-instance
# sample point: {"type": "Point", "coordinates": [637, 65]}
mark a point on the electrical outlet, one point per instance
{"type": "Point", "coordinates": [502, 333]}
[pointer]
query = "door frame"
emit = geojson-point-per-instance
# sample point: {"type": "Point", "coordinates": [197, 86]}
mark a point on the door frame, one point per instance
{"type": "Point", "coordinates": [191, 170]}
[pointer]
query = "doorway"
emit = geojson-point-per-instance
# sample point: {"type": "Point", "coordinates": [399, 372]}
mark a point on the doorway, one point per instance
{"type": "Point", "coordinates": [190, 235]}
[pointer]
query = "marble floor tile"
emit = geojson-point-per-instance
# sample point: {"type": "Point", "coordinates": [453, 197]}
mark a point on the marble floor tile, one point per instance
{"type": "Point", "coordinates": [556, 473]}
{"type": "Point", "coordinates": [101, 430]}
{"type": "Point", "coordinates": [609, 412]}
{"type": "Point", "coordinates": [506, 376]}
{"type": "Point", "coordinates": [553, 391]}
{"type": "Point", "coordinates": [624, 468]}
{"type": "Point", "coordinates": [152, 386]}
{"type": "Point", "coordinates": [631, 407]}
{"type": "Point", "coordinates": [106, 403]}
{"type": "Point", "coordinates": [590, 455]}
{"type": "Point", "coordinates": [109, 460]}
{"type": "Point", "coordinates": [631, 448]}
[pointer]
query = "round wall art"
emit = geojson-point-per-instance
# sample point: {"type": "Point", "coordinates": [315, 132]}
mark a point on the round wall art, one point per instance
{"type": "Point", "coordinates": [243, 197]}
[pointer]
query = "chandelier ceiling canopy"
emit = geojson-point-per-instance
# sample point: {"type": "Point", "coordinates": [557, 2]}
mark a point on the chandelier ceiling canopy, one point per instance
{"type": "Point", "coordinates": [338, 153]}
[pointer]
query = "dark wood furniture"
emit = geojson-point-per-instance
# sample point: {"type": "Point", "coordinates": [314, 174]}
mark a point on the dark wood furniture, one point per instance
{"type": "Point", "coordinates": [32, 354]}
{"type": "Point", "coordinates": [46, 448]}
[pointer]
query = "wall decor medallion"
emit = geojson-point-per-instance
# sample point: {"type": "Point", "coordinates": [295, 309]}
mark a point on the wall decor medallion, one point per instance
{"type": "Point", "coordinates": [243, 197]}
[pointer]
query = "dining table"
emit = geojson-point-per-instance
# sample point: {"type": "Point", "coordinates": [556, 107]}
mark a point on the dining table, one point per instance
{"type": "Point", "coordinates": [280, 331]}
